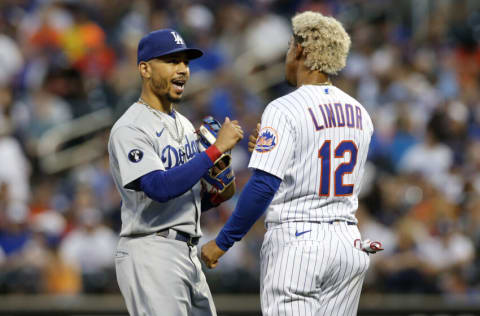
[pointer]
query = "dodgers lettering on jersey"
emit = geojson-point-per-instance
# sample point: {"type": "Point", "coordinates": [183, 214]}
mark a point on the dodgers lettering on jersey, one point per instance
{"type": "Point", "coordinates": [316, 140]}
{"type": "Point", "coordinates": [173, 157]}
{"type": "Point", "coordinates": [140, 143]}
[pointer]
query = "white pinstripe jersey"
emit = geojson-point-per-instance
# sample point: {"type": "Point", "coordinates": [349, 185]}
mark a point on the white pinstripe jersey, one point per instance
{"type": "Point", "coordinates": [316, 140]}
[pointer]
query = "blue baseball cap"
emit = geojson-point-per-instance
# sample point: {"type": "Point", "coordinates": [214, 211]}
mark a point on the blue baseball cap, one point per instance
{"type": "Point", "coordinates": [163, 42]}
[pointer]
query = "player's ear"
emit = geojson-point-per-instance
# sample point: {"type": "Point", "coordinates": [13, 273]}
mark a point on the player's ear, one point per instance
{"type": "Point", "coordinates": [145, 69]}
{"type": "Point", "coordinates": [298, 51]}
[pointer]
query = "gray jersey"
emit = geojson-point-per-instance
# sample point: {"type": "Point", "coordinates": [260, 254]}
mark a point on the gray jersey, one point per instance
{"type": "Point", "coordinates": [144, 140]}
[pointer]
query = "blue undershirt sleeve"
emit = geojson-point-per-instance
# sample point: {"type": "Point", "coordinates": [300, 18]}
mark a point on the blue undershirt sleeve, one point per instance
{"type": "Point", "coordinates": [252, 203]}
{"type": "Point", "coordinates": [161, 186]}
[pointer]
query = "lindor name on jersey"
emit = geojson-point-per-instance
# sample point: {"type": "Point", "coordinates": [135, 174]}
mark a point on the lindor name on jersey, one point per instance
{"type": "Point", "coordinates": [337, 115]}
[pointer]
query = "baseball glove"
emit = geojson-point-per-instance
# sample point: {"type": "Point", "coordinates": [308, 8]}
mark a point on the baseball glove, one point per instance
{"type": "Point", "coordinates": [220, 180]}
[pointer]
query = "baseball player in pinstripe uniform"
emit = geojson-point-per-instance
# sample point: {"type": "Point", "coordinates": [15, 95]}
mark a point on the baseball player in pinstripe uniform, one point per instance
{"type": "Point", "coordinates": [308, 164]}
{"type": "Point", "coordinates": [157, 164]}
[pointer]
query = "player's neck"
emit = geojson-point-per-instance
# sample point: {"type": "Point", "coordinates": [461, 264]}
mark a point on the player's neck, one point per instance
{"type": "Point", "coordinates": [307, 77]}
{"type": "Point", "coordinates": [154, 102]}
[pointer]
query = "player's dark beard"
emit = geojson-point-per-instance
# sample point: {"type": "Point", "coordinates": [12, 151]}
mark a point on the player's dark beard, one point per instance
{"type": "Point", "coordinates": [173, 99]}
{"type": "Point", "coordinates": [159, 85]}
{"type": "Point", "coordinates": [162, 85]}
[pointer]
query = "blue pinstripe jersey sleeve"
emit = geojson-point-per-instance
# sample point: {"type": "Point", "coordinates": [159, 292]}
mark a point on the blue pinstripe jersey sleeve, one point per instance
{"type": "Point", "coordinates": [276, 142]}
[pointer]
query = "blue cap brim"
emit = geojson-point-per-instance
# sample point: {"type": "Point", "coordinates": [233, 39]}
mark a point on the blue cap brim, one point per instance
{"type": "Point", "coordinates": [192, 53]}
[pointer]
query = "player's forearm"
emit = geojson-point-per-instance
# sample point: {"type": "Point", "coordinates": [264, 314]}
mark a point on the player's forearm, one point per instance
{"type": "Point", "coordinates": [253, 202]}
{"type": "Point", "coordinates": [162, 186]}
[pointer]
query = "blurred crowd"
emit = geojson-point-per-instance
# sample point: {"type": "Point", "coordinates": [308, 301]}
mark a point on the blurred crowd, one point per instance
{"type": "Point", "coordinates": [415, 66]}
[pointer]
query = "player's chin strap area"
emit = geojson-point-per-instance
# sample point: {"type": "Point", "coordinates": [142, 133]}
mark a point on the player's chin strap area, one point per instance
{"type": "Point", "coordinates": [367, 245]}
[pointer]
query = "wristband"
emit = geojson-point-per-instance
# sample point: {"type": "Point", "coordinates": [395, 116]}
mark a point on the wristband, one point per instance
{"type": "Point", "coordinates": [213, 153]}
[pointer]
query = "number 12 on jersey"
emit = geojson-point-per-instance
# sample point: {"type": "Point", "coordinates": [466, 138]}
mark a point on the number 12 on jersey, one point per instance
{"type": "Point", "coordinates": [325, 155]}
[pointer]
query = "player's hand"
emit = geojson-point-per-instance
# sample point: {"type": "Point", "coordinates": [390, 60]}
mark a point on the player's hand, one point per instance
{"type": "Point", "coordinates": [229, 135]}
{"type": "Point", "coordinates": [252, 139]}
{"type": "Point", "coordinates": [211, 253]}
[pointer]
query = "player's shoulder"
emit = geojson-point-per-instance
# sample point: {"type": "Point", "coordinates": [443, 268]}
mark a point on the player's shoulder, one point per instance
{"type": "Point", "coordinates": [287, 99]}
{"type": "Point", "coordinates": [284, 104]}
{"type": "Point", "coordinates": [346, 98]}
{"type": "Point", "coordinates": [131, 119]}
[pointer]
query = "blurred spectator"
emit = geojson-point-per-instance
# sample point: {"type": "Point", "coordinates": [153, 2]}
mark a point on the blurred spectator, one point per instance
{"type": "Point", "coordinates": [404, 271]}
{"type": "Point", "coordinates": [431, 159]}
{"type": "Point", "coordinates": [11, 59]}
{"type": "Point", "coordinates": [95, 263]}
{"type": "Point", "coordinates": [57, 275]}
{"type": "Point", "coordinates": [39, 111]}
{"type": "Point", "coordinates": [85, 46]}
{"type": "Point", "coordinates": [14, 176]}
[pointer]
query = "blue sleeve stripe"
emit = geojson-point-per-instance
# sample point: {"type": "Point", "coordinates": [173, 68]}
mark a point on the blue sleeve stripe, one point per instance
{"type": "Point", "coordinates": [252, 203]}
{"type": "Point", "coordinates": [163, 186]}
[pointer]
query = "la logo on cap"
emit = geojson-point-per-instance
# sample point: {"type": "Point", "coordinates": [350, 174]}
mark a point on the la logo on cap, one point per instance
{"type": "Point", "coordinates": [177, 38]}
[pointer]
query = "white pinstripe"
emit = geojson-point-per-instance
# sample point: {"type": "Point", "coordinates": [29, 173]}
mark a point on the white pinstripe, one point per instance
{"type": "Point", "coordinates": [319, 272]}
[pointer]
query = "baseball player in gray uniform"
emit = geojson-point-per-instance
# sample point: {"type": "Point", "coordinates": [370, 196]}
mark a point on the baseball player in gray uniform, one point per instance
{"type": "Point", "coordinates": [157, 164]}
{"type": "Point", "coordinates": [308, 164]}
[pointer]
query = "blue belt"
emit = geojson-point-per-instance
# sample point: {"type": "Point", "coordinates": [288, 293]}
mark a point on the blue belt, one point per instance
{"type": "Point", "coordinates": [178, 235]}
{"type": "Point", "coordinates": [335, 221]}
{"type": "Point", "coordinates": [340, 221]}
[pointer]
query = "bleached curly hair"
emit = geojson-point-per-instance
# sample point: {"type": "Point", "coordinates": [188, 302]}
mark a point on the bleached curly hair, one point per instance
{"type": "Point", "coordinates": [324, 40]}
